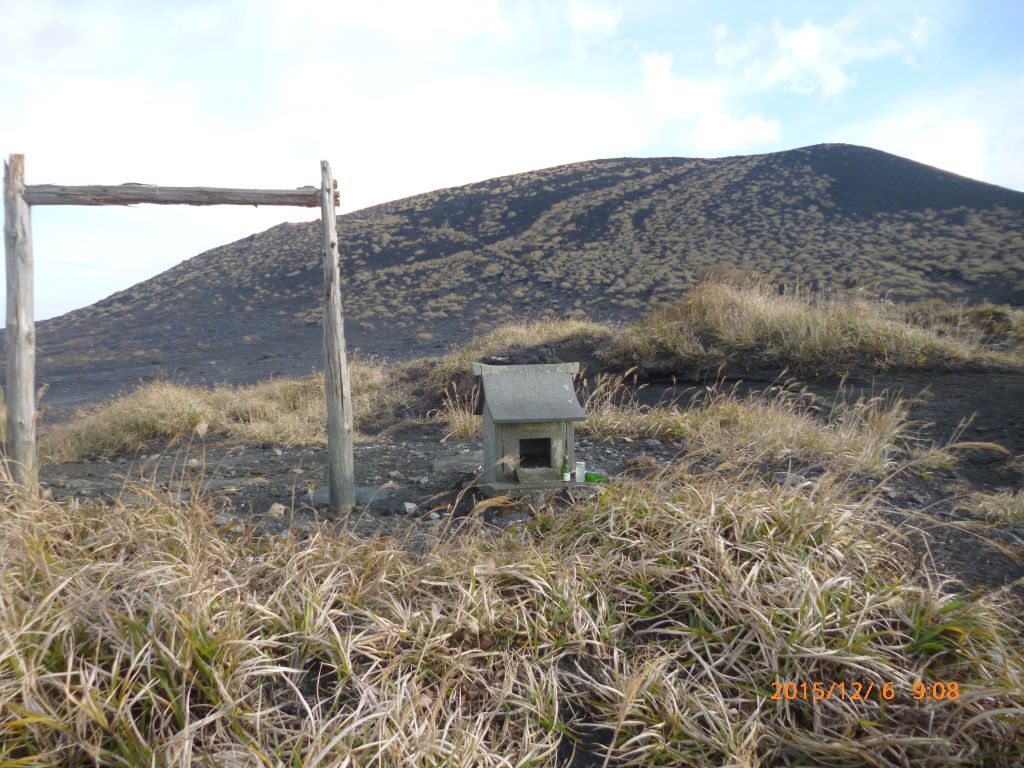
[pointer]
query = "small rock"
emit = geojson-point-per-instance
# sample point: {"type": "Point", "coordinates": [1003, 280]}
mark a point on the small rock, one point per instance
{"type": "Point", "coordinates": [627, 439]}
{"type": "Point", "coordinates": [376, 479]}
{"type": "Point", "coordinates": [423, 480]}
{"type": "Point", "coordinates": [394, 474]}
{"type": "Point", "coordinates": [410, 508]}
{"type": "Point", "coordinates": [652, 442]}
{"type": "Point", "coordinates": [434, 515]}
{"type": "Point", "coordinates": [276, 510]}
{"type": "Point", "coordinates": [297, 471]}
{"type": "Point", "coordinates": [365, 494]}
{"type": "Point", "coordinates": [193, 462]}
{"type": "Point", "coordinates": [278, 452]}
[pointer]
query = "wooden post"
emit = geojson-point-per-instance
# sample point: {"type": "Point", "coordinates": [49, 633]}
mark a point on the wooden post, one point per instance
{"type": "Point", "coordinates": [21, 328]}
{"type": "Point", "coordinates": [341, 479]}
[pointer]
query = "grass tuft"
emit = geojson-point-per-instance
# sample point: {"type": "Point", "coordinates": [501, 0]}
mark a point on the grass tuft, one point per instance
{"type": "Point", "coordinates": [866, 435]}
{"type": "Point", "coordinates": [1001, 508]}
{"type": "Point", "coordinates": [287, 411]}
{"type": "Point", "coordinates": [758, 324]}
{"type": "Point", "coordinates": [510, 338]}
{"type": "Point", "coordinates": [457, 412]}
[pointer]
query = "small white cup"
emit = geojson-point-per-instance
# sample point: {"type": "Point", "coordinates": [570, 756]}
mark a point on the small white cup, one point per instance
{"type": "Point", "coordinates": [580, 471]}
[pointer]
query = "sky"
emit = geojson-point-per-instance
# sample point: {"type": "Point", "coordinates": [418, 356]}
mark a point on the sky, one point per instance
{"type": "Point", "coordinates": [407, 96]}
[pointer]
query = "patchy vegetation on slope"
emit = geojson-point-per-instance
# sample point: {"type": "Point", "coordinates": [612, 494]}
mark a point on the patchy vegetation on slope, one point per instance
{"type": "Point", "coordinates": [611, 239]}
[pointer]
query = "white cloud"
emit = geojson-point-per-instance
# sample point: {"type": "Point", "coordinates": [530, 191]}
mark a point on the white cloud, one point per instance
{"type": "Point", "coordinates": [696, 112]}
{"type": "Point", "coordinates": [929, 135]}
{"type": "Point", "coordinates": [592, 23]}
{"type": "Point", "coordinates": [809, 58]}
{"type": "Point", "coordinates": [437, 23]}
{"type": "Point", "coordinates": [921, 31]}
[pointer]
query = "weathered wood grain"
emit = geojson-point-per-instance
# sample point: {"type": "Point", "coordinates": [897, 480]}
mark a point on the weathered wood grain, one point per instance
{"type": "Point", "coordinates": [130, 194]}
{"type": "Point", "coordinates": [21, 328]}
{"type": "Point", "coordinates": [341, 479]}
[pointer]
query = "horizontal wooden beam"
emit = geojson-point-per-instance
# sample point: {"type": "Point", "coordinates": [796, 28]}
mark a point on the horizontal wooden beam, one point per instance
{"type": "Point", "coordinates": [129, 194]}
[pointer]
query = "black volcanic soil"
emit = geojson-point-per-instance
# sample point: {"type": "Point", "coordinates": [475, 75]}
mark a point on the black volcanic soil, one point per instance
{"type": "Point", "coordinates": [244, 483]}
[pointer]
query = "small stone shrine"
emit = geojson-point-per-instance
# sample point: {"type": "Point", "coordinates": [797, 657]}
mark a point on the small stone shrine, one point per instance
{"type": "Point", "coordinates": [528, 412]}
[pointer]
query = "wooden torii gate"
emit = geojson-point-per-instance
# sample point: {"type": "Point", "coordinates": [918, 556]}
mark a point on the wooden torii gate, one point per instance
{"type": "Point", "coordinates": [21, 334]}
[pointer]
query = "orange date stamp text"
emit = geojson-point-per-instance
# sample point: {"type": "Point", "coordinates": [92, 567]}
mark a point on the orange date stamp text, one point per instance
{"type": "Point", "coordinates": [854, 690]}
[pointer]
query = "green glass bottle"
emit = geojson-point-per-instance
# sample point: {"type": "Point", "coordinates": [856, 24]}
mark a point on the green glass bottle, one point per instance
{"type": "Point", "coordinates": [595, 477]}
{"type": "Point", "coordinates": [565, 468]}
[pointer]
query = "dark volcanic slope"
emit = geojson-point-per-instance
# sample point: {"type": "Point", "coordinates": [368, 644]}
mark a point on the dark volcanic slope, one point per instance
{"type": "Point", "coordinates": [608, 238]}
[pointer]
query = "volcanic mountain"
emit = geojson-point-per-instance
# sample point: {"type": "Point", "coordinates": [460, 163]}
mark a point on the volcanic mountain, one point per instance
{"type": "Point", "coordinates": [605, 238]}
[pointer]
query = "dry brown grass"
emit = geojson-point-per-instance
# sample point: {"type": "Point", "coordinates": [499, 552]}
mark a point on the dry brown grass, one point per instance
{"type": "Point", "coordinates": [510, 338]}
{"type": "Point", "coordinates": [779, 425]}
{"type": "Point", "coordinates": [994, 325]}
{"type": "Point", "coordinates": [286, 411]}
{"type": "Point", "coordinates": [648, 625]}
{"type": "Point", "coordinates": [754, 322]}
{"type": "Point", "coordinates": [457, 412]}
{"type": "Point", "coordinates": [1000, 508]}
